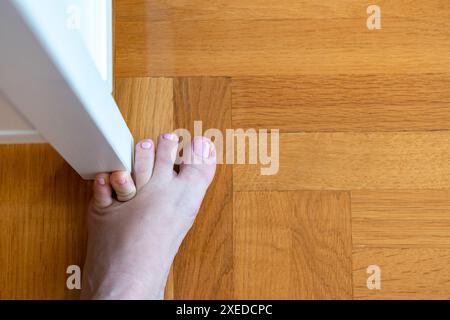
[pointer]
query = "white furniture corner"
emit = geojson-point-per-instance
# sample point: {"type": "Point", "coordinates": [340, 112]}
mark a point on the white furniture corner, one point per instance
{"type": "Point", "coordinates": [56, 82]}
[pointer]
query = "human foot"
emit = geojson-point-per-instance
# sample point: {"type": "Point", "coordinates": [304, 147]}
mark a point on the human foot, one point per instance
{"type": "Point", "coordinates": [132, 241]}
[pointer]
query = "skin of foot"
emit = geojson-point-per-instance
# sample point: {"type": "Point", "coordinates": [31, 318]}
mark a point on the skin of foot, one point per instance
{"type": "Point", "coordinates": [137, 222]}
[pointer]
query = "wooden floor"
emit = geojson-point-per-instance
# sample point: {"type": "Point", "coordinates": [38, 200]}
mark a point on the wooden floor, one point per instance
{"type": "Point", "coordinates": [364, 179]}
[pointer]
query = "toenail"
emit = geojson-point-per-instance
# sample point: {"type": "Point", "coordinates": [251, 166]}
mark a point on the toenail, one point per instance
{"type": "Point", "coordinates": [121, 181]}
{"type": "Point", "coordinates": [170, 136]}
{"type": "Point", "coordinates": [146, 145]}
{"type": "Point", "coordinates": [202, 147]}
{"type": "Point", "coordinates": [101, 181]}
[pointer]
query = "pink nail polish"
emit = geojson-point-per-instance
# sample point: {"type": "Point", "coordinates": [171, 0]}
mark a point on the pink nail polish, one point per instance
{"type": "Point", "coordinates": [146, 145]}
{"type": "Point", "coordinates": [121, 181]}
{"type": "Point", "coordinates": [170, 136]}
{"type": "Point", "coordinates": [101, 181]}
{"type": "Point", "coordinates": [202, 147]}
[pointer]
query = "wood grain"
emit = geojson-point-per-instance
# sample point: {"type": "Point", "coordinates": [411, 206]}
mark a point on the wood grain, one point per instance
{"type": "Point", "coordinates": [147, 106]}
{"type": "Point", "coordinates": [309, 68]}
{"type": "Point", "coordinates": [203, 266]}
{"type": "Point", "coordinates": [313, 103]}
{"type": "Point", "coordinates": [354, 161]}
{"type": "Point", "coordinates": [43, 205]}
{"type": "Point", "coordinates": [43, 201]}
{"type": "Point", "coordinates": [406, 273]}
{"type": "Point", "coordinates": [318, 44]}
{"type": "Point", "coordinates": [292, 245]}
{"type": "Point", "coordinates": [182, 10]}
{"type": "Point", "coordinates": [401, 218]}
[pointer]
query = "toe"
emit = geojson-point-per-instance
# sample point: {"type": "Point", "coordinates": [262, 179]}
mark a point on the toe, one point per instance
{"type": "Point", "coordinates": [123, 185]}
{"type": "Point", "coordinates": [102, 191]}
{"type": "Point", "coordinates": [166, 155]}
{"type": "Point", "coordinates": [143, 163]}
{"type": "Point", "coordinates": [200, 171]}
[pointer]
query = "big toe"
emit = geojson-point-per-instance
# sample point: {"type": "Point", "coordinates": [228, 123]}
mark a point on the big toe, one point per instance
{"type": "Point", "coordinates": [199, 172]}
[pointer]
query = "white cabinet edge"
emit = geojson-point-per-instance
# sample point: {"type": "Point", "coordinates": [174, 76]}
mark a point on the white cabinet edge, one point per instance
{"type": "Point", "coordinates": [94, 23]}
{"type": "Point", "coordinates": [63, 98]}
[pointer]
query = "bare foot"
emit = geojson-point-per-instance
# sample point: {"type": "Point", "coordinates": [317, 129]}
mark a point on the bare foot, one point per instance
{"type": "Point", "coordinates": [133, 240]}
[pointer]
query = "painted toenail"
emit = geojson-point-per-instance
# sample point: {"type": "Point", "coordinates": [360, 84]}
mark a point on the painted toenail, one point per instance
{"type": "Point", "coordinates": [101, 181]}
{"type": "Point", "coordinates": [170, 136]}
{"type": "Point", "coordinates": [146, 145]}
{"type": "Point", "coordinates": [121, 181]}
{"type": "Point", "coordinates": [202, 147]}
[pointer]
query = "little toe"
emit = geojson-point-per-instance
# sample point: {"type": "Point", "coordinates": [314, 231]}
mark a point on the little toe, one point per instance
{"type": "Point", "coordinates": [102, 191]}
{"type": "Point", "coordinates": [166, 155]}
{"type": "Point", "coordinates": [143, 162]}
{"type": "Point", "coordinates": [200, 171]}
{"type": "Point", "coordinates": [123, 185]}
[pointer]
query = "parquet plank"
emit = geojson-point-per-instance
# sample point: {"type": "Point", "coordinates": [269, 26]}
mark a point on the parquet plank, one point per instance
{"type": "Point", "coordinates": [317, 103]}
{"type": "Point", "coordinates": [147, 106]}
{"type": "Point", "coordinates": [43, 205]}
{"type": "Point", "coordinates": [354, 161]}
{"type": "Point", "coordinates": [217, 39]}
{"type": "Point", "coordinates": [416, 218]}
{"type": "Point", "coordinates": [406, 273]}
{"type": "Point", "coordinates": [181, 10]}
{"type": "Point", "coordinates": [292, 245]}
{"type": "Point", "coordinates": [203, 266]}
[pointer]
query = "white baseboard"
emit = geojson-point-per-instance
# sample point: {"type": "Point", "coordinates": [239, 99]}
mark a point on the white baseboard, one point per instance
{"type": "Point", "coordinates": [14, 128]}
{"type": "Point", "coordinates": [20, 137]}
